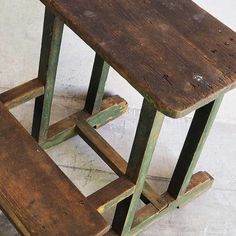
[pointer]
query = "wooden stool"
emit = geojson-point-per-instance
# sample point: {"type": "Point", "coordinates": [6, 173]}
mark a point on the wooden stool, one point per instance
{"type": "Point", "coordinates": [176, 55]}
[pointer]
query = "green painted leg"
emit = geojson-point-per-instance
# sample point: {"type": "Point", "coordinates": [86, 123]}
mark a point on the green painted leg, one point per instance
{"type": "Point", "coordinates": [148, 130]}
{"type": "Point", "coordinates": [197, 135]}
{"type": "Point", "coordinates": [97, 85]}
{"type": "Point", "coordinates": [51, 42]}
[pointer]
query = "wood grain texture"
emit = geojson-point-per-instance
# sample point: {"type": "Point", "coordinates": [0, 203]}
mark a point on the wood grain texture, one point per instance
{"type": "Point", "coordinates": [108, 196]}
{"type": "Point", "coordinates": [174, 53]}
{"type": "Point", "coordinates": [34, 192]}
{"type": "Point", "coordinates": [22, 93]}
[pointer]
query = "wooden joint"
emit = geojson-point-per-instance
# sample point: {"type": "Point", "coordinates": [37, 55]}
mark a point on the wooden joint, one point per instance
{"type": "Point", "coordinates": [111, 108]}
{"type": "Point", "coordinates": [113, 159]}
{"type": "Point", "coordinates": [200, 183]}
{"type": "Point", "coordinates": [112, 194]}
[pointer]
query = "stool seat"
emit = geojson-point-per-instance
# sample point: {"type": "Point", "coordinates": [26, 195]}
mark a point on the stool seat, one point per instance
{"type": "Point", "coordinates": [174, 53]}
{"type": "Point", "coordinates": [34, 192]}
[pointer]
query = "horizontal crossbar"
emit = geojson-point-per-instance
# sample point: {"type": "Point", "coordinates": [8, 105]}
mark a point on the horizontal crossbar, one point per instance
{"type": "Point", "coordinates": [113, 159]}
{"type": "Point", "coordinates": [111, 108]}
{"type": "Point", "coordinates": [22, 93]}
{"type": "Point", "coordinates": [200, 182]}
{"type": "Point", "coordinates": [111, 194]}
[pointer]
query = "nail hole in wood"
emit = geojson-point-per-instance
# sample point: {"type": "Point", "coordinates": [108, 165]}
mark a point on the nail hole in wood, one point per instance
{"type": "Point", "coordinates": [214, 51]}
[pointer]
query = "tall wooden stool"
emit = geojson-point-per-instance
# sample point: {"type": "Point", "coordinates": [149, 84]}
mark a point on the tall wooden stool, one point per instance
{"type": "Point", "coordinates": [176, 55]}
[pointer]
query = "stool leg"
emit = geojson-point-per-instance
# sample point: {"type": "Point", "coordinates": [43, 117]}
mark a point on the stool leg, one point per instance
{"type": "Point", "coordinates": [51, 43]}
{"type": "Point", "coordinates": [97, 85]}
{"type": "Point", "coordinates": [148, 130]}
{"type": "Point", "coordinates": [197, 135]}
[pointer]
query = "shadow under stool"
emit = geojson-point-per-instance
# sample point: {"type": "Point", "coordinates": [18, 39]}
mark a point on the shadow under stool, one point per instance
{"type": "Point", "coordinates": [175, 54]}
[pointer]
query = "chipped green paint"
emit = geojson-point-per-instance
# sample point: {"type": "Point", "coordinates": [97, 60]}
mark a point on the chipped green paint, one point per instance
{"type": "Point", "coordinates": [97, 120]}
{"type": "Point", "coordinates": [194, 143]}
{"type": "Point", "coordinates": [97, 85]}
{"type": "Point", "coordinates": [51, 43]}
{"type": "Point", "coordinates": [148, 130]}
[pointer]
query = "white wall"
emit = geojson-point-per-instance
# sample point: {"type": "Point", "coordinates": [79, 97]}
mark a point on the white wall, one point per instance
{"type": "Point", "coordinates": [20, 36]}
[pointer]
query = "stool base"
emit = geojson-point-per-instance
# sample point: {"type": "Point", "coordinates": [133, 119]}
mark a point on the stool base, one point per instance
{"type": "Point", "coordinates": [200, 183]}
{"type": "Point", "coordinates": [111, 108]}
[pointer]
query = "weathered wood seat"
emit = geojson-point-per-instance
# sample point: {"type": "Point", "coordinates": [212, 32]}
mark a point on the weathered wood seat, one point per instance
{"type": "Point", "coordinates": [34, 192]}
{"type": "Point", "coordinates": [174, 53]}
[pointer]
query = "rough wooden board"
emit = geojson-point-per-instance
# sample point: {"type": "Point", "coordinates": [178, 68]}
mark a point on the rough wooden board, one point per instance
{"type": "Point", "coordinates": [176, 71]}
{"type": "Point", "coordinates": [111, 194]}
{"type": "Point", "coordinates": [35, 193]}
{"type": "Point", "coordinates": [22, 93]}
{"type": "Point", "coordinates": [215, 40]}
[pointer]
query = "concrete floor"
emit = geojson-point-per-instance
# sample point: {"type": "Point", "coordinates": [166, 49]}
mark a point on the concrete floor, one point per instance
{"type": "Point", "coordinates": [214, 213]}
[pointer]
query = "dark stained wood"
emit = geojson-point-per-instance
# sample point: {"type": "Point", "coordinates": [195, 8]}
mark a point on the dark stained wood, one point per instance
{"type": "Point", "coordinates": [174, 53]}
{"type": "Point", "coordinates": [210, 36]}
{"type": "Point", "coordinates": [22, 93]}
{"type": "Point", "coordinates": [35, 193]}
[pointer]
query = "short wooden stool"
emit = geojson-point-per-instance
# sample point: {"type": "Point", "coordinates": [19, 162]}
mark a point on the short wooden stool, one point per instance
{"type": "Point", "coordinates": [179, 57]}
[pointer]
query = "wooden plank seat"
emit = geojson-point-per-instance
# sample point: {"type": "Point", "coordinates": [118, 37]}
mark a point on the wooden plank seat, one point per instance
{"type": "Point", "coordinates": [34, 193]}
{"type": "Point", "coordinates": [174, 53]}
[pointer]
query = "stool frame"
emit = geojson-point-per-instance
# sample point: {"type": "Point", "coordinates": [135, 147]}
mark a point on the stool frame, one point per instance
{"type": "Point", "coordinates": [126, 191]}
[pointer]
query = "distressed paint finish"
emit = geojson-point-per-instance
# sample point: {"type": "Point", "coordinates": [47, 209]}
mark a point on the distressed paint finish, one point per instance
{"type": "Point", "coordinates": [51, 43]}
{"type": "Point", "coordinates": [174, 53]}
{"type": "Point", "coordinates": [113, 159]}
{"type": "Point", "coordinates": [200, 183]}
{"type": "Point", "coordinates": [197, 135]}
{"type": "Point", "coordinates": [97, 85]}
{"type": "Point", "coordinates": [111, 108]}
{"type": "Point", "coordinates": [148, 130]}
